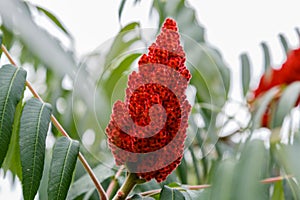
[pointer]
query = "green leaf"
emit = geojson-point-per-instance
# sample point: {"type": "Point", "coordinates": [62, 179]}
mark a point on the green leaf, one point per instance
{"type": "Point", "coordinates": [84, 184]}
{"type": "Point", "coordinates": [298, 33]}
{"type": "Point", "coordinates": [1, 40]}
{"type": "Point", "coordinates": [34, 126]}
{"type": "Point", "coordinates": [261, 107]}
{"type": "Point", "coordinates": [246, 73]}
{"type": "Point", "coordinates": [184, 14]}
{"type": "Point", "coordinates": [12, 160]}
{"type": "Point", "coordinates": [195, 164]}
{"type": "Point", "coordinates": [54, 19]}
{"type": "Point", "coordinates": [168, 193]}
{"type": "Point", "coordinates": [121, 8]}
{"type": "Point", "coordinates": [284, 43]}
{"type": "Point", "coordinates": [252, 168]}
{"type": "Point", "coordinates": [278, 193]}
{"type": "Point", "coordinates": [181, 170]}
{"type": "Point", "coordinates": [286, 103]}
{"type": "Point", "coordinates": [63, 162]}
{"type": "Point", "coordinates": [197, 194]}
{"type": "Point", "coordinates": [287, 158]}
{"type": "Point", "coordinates": [120, 45]}
{"type": "Point", "coordinates": [222, 184]}
{"type": "Point", "coordinates": [139, 197]}
{"type": "Point", "coordinates": [267, 58]}
{"type": "Point", "coordinates": [117, 74]}
{"type": "Point", "coordinates": [12, 84]}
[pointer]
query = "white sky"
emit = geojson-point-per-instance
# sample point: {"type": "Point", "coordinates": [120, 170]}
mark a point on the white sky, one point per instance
{"type": "Point", "coordinates": [233, 26]}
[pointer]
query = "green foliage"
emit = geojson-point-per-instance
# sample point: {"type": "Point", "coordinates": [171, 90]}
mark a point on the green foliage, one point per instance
{"type": "Point", "coordinates": [284, 44]}
{"type": "Point", "coordinates": [233, 166]}
{"type": "Point", "coordinates": [261, 107]}
{"type": "Point", "coordinates": [33, 131]}
{"type": "Point", "coordinates": [287, 101]}
{"type": "Point", "coordinates": [246, 73]}
{"type": "Point", "coordinates": [84, 184]}
{"type": "Point", "coordinates": [54, 19]}
{"type": "Point", "coordinates": [168, 193]}
{"type": "Point", "coordinates": [12, 160]}
{"type": "Point", "coordinates": [63, 163]}
{"type": "Point", "coordinates": [267, 59]}
{"type": "Point", "coordinates": [12, 83]}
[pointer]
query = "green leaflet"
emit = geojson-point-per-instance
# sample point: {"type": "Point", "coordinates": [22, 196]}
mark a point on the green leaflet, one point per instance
{"type": "Point", "coordinates": [63, 162]}
{"type": "Point", "coordinates": [246, 73]}
{"type": "Point", "coordinates": [286, 103]}
{"type": "Point", "coordinates": [262, 105]}
{"type": "Point", "coordinates": [266, 55]}
{"type": "Point", "coordinates": [12, 84]}
{"type": "Point", "coordinates": [33, 131]}
{"type": "Point", "coordinates": [12, 160]}
{"type": "Point", "coordinates": [250, 169]}
{"type": "Point", "coordinates": [168, 193]}
{"type": "Point", "coordinates": [1, 39]}
{"type": "Point", "coordinates": [84, 184]}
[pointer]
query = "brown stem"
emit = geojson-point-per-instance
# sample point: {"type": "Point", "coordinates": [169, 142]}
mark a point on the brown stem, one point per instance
{"type": "Point", "coordinates": [63, 132]}
{"type": "Point", "coordinates": [114, 181]}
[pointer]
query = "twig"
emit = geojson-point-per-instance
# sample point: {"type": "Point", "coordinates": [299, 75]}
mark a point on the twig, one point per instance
{"type": "Point", "coordinates": [198, 187]}
{"type": "Point", "coordinates": [63, 132]}
{"type": "Point", "coordinates": [114, 182]}
{"type": "Point", "coordinates": [190, 187]}
{"type": "Point", "coordinates": [275, 179]}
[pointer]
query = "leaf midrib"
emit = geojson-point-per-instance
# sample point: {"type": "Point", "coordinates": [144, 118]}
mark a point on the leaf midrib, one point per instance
{"type": "Point", "coordinates": [35, 147]}
{"type": "Point", "coordinates": [6, 100]}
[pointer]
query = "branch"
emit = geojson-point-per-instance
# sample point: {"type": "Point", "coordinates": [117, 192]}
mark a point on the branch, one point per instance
{"type": "Point", "coordinates": [113, 183]}
{"type": "Point", "coordinates": [62, 130]}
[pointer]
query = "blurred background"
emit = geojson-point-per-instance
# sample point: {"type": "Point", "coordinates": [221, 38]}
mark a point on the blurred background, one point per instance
{"type": "Point", "coordinates": [87, 40]}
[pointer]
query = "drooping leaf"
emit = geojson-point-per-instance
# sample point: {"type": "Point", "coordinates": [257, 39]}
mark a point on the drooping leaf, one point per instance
{"type": "Point", "coordinates": [54, 19]}
{"type": "Point", "coordinates": [7, 37]}
{"type": "Point", "coordinates": [139, 197]}
{"type": "Point", "coordinates": [251, 168]}
{"type": "Point", "coordinates": [1, 39]}
{"type": "Point", "coordinates": [181, 170]}
{"type": "Point", "coordinates": [284, 43]}
{"type": "Point", "coordinates": [246, 73]}
{"type": "Point", "coordinates": [12, 160]}
{"type": "Point", "coordinates": [117, 73]}
{"type": "Point", "coordinates": [85, 184]}
{"type": "Point", "coordinates": [63, 162]}
{"type": "Point", "coordinates": [121, 8]}
{"type": "Point", "coordinates": [262, 106]}
{"type": "Point", "coordinates": [286, 103]}
{"type": "Point", "coordinates": [184, 14]}
{"type": "Point", "coordinates": [34, 126]}
{"type": "Point", "coordinates": [195, 164]}
{"type": "Point", "coordinates": [12, 84]}
{"type": "Point", "coordinates": [168, 193]}
{"type": "Point", "coordinates": [222, 184]}
{"type": "Point", "coordinates": [287, 157]}
{"type": "Point", "coordinates": [298, 33]}
{"type": "Point", "coordinates": [267, 59]}
{"type": "Point", "coordinates": [197, 194]}
{"type": "Point", "coordinates": [120, 45]}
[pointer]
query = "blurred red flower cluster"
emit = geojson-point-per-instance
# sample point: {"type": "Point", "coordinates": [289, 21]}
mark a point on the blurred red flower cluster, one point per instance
{"type": "Point", "coordinates": [147, 131]}
{"type": "Point", "coordinates": [287, 74]}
